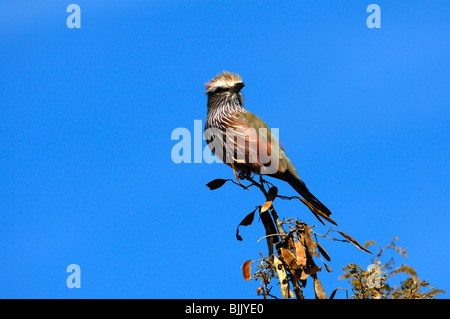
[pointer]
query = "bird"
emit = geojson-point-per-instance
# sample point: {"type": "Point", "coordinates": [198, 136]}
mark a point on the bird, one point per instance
{"type": "Point", "coordinates": [245, 142]}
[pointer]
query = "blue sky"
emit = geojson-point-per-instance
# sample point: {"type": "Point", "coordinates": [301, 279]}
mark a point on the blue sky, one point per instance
{"type": "Point", "coordinates": [86, 117]}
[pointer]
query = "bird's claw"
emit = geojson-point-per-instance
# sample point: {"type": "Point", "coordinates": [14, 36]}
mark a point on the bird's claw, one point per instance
{"type": "Point", "coordinates": [240, 175]}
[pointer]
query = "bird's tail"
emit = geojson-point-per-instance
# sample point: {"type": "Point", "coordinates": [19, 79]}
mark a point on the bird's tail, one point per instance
{"type": "Point", "coordinates": [301, 188]}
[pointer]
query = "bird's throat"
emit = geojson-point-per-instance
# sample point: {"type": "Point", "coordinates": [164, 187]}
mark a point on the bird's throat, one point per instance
{"type": "Point", "coordinates": [222, 108]}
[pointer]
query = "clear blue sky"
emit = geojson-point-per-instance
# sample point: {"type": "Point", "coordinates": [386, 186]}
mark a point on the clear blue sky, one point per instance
{"type": "Point", "coordinates": [86, 117]}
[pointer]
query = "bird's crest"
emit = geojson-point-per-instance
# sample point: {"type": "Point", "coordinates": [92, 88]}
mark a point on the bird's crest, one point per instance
{"type": "Point", "coordinates": [222, 80]}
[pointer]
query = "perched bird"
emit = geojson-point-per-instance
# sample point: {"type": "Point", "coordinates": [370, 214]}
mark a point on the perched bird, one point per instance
{"type": "Point", "coordinates": [243, 141]}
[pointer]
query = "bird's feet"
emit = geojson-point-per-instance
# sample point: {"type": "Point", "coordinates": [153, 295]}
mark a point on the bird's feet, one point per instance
{"type": "Point", "coordinates": [245, 174]}
{"type": "Point", "coordinates": [238, 175]}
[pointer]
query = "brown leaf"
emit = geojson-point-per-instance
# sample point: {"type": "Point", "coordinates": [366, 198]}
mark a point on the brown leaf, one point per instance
{"type": "Point", "coordinates": [247, 270]}
{"type": "Point", "coordinates": [333, 293]}
{"type": "Point", "coordinates": [282, 276]}
{"type": "Point", "coordinates": [301, 259]}
{"type": "Point", "coordinates": [318, 289]}
{"type": "Point", "coordinates": [291, 243]}
{"type": "Point", "coordinates": [290, 258]}
{"type": "Point", "coordinates": [313, 269]}
{"type": "Point", "coordinates": [323, 252]}
{"type": "Point", "coordinates": [300, 253]}
{"type": "Point", "coordinates": [353, 241]}
{"type": "Point", "coordinates": [335, 290]}
{"type": "Point", "coordinates": [309, 242]}
{"type": "Point", "coordinates": [217, 183]}
{"type": "Point", "coordinates": [303, 276]}
{"type": "Point", "coordinates": [266, 206]}
{"type": "Point", "coordinates": [291, 294]}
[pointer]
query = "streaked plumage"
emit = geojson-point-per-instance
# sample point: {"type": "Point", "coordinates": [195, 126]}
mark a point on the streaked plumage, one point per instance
{"type": "Point", "coordinates": [242, 140]}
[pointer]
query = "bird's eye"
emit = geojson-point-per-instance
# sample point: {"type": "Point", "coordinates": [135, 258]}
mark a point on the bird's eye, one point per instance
{"type": "Point", "coordinates": [221, 89]}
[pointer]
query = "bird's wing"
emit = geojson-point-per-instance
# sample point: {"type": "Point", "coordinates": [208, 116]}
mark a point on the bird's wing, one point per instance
{"type": "Point", "coordinates": [261, 149]}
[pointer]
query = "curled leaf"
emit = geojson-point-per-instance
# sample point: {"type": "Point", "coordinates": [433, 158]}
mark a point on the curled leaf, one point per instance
{"type": "Point", "coordinates": [353, 241]}
{"type": "Point", "coordinates": [245, 222]}
{"type": "Point", "coordinates": [335, 290]}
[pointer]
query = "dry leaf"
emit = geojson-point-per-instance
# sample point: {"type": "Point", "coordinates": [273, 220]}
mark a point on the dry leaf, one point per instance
{"type": "Point", "coordinates": [284, 283]}
{"type": "Point", "coordinates": [291, 294]}
{"type": "Point", "coordinates": [335, 290]}
{"type": "Point", "coordinates": [272, 193]}
{"type": "Point", "coordinates": [301, 259]}
{"type": "Point", "coordinates": [217, 183]}
{"type": "Point", "coordinates": [258, 291]}
{"type": "Point", "coordinates": [290, 258]}
{"type": "Point", "coordinates": [323, 252]}
{"type": "Point", "coordinates": [309, 242]}
{"type": "Point", "coordinates": [313, 269]}
{"type": "Point", "coordinates": [247, 270]}
{"type": "Point", "coordinates": [318, 289]}
{"type": "Point", "coordinates": [354, 242]}
{"type": "Point", "coordinates": [333, 293]}
{"type": "Point", "coordinates": [303, 276]}
{"type": "Point", "coordinates": [245, 222]}
{"type": "Point", "coordinates": [291, 243]}
{"type": "Point", "coordinates": [300, 253]}
{"type": "Point", "coordinates": [266, 206]}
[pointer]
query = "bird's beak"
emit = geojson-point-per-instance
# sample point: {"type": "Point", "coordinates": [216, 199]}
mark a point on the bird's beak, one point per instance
{"type": "Point", "coordinates": [238, 87]}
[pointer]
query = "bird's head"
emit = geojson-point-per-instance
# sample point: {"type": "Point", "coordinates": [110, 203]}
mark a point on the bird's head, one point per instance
{"type": "Point", "coordinates": [224, 83]}
{"type": "Point", "coordinates": [224, 91]}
